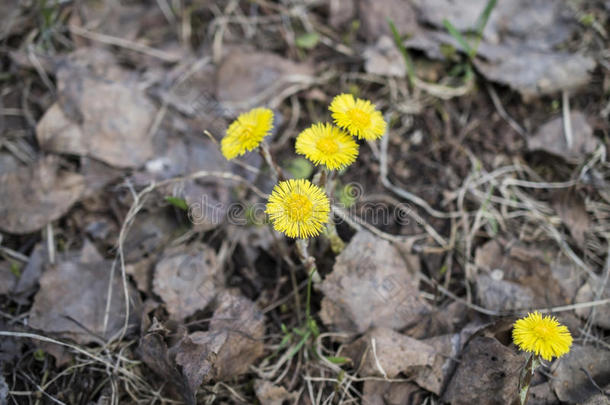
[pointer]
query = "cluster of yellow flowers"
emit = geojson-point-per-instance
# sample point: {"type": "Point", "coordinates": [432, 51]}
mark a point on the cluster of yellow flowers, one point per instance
{"type": "Point", "coordinates": [299, 208]}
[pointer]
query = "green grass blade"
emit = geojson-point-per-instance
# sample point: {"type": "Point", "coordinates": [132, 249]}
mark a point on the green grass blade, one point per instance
{"type": "Point", "coordinates": [403, 51]}
{"type": "Point", "coordinates": [457, 35]}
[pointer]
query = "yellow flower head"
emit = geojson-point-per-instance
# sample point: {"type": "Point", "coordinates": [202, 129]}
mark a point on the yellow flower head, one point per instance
{"type": "Point", "coordinates": [358, 116]}
{"type": "Point", "coordinates": [328, 145]}
{"type": "Point", "coordinates": [298, 208]}
{"type": "Point", "coordinates": [543, 336]}
{"type": "Point", "coordinates": [246, 132]}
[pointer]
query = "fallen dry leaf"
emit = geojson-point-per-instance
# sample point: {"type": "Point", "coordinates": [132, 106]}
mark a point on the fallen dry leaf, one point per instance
{"type": "Point", "coordinates": [383, 58]}
{"type": "Point", "coordinates": [434, 376]}
{"type": "Point", "coordinates": [572, 210]}
{"type": "Point", "coordinates": [246, 79]}
{"type": "Point", "coordinates": [590, 291]}
{"type": "Point", "coordinates": [105, 118]}
{"type": "Point", "coordinates": [270, 394]}
{"type": "Point", "coordinates": [531, 72]}
{"type": "Point", "coordinates": [537, 24]}
{"type": "Point", "coordinates": [8, 280]}
{"type": "Point", "coordinates": [371, 285]}
{"type": "Point", "coordinates": [392, 393]}
{"type": "Point", "coordinates": [550, 138]}
{"type": "Point", "coordinates": [153, 351]}
{"type": "Point", "coordinates": [228, 348]}
{"type": "Point", "coordinates": [148, 234]}
{"type": "Point", "coordinates": [534, 73]}
{"type": "Point", "coordinates": [186, 279]}
{"type": "Point", "coordinates": [542, 394]}
{"type": "Point", "coordinates": [374, 15]}
{"type": "Point", "coordinates": [341, 12]}
{"type": "Point", "coordinates": [488, 374]}
{"type": "Point", "coordinates": [516, 276]}
{"type": "Point", "coordinates": [569, 379]}
{"type": "Point", "coordinates": [72, 299]}
{"type": "Point", "coordinates": [383, 352]}
{"type": "Point", "coordinates": [31, 197]}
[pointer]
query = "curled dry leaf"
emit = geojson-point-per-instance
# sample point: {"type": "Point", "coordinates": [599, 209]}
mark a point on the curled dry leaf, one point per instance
{"type": "Point", "coordinates": [371, 285]}
{"type": "Point", "coordinates": [488, 374]}
{"type": "Point", "coordinates": [73, 295]}
{"type": "Point", "coordinates": [31, 197]}
{"type": "Point", "coordinates": [186, 279]}
{"type": "Point", "coordinates": [383, 352]}
{"type": "Point", "coordinates": [97, 116]}
{"type": "Point", "coordinates": [228, 348]}
{"type": "Point", "coordinates": [153, 351]}
{"type": "Point", "coordinates": [572, 374]}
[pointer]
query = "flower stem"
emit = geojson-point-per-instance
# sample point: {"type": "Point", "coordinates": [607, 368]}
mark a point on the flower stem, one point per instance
{"type": "Point", "coordinates": [525, 378]}
{"type": "Point", "coordinates": [275, 169]}
{"type": "Point", "coordinates": [308, 261]}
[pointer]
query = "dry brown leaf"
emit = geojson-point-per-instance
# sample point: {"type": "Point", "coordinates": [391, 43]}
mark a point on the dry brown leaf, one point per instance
{"type": "Point", "coordinates": [31, 197]}
{"type": "Point", "coordinates": [488, 374]}
{"type": "Point", "coordinates": [569, 380]}
{"type": "Point", "coordinates": [341, 12]}
{"type": "Point", "coordinates": [550, 138]}
{"type": "Point", "coordinates": [244, 78]}
{"type": "Point", "coordinates": [8, 280]}
{"type": "Point", "coordinates": [392, 393]}
{"type": "Point", "coordinates": [516, 276]}
{"type": "Point", "coordinates": [371, 285]}
{"type": "Point", "coordinates": [73, 295]}
{"type": "Point", "coordinates": [186, 279]}
{"type": "Point", "coordinates": [434, 377]}
{"type": "Point", "coordinates": [153, 351]}
{"type": "Point", "coordinates": [534, 73]}
{"type": "Point", "coordinates": [99, 116]}
{"type": "Point", "coordinates": [542, 394]}
{"type": "Point", "coordinates": [232, 344]}
{"type": "Point", "coordinates": [374, 15]}
{"type": "Point", "coordinates": [148, 234]}
{"type": "Point", "coordinates": [572, 210]}
{"type": "Point", "coordinates": [383, 58]}
{"type": "Point", "coordinates": [590, 291]}
{"type": "Point", "coordinates": [383, 352]}
{"type": "Point", "coordinates": [270, 394]}
{"type": "Point", "coordinates": [538, 24]}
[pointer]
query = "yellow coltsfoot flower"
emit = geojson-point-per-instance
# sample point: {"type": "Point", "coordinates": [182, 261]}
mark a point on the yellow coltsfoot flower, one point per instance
{"type": "Point", "coordinates": [357, 116]}
{"type": "Point", "coordinates": [246, 132]}
{"type": "Point", "coordinates": [328, 145]}
{"type": "Point", "coordinates": [298, 208]}
{"type": "Point", "coordinates": [543, 336]}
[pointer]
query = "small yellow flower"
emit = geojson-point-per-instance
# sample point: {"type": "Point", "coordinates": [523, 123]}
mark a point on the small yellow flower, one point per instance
{"type": "Point", "coordinates": [543, 336]}
{"type": "Point", "coordinates": [298, 208]}
{"type": "Point", "coordinates": [358, 116]}
{"type": "Point", "coordinates": [328, 145]}
{"type": "Point", "coordinates": [246, 132]}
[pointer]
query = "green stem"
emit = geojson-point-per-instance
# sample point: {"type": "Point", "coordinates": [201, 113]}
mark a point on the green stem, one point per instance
{"type": "Point", "coordinates": [525, 378]}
